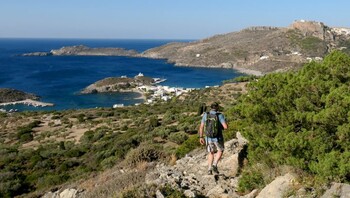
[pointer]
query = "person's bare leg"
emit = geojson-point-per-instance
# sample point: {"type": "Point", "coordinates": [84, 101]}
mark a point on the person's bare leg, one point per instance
{"type": "Point", "coordinates": [210, 159]}
{"type": "Point", "coordinates": [217, 157]}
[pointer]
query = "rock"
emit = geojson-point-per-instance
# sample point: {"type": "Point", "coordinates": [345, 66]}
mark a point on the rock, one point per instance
{"type": "Point", "coordinates": [51, 195]}
{"type": "Point", "coordinates": [241, 140]}
{"type": "Point", "coordinates": [252, 194]}
{"type": "Point", "coordinates": [216, 191]}
{"type": "Point", "coordinates": [189, 174]}
{"type": "Point", "coordinates": [189, 193]}
{"type": "Point", "coordinates": [66, 193]}
{"type": "Point", "coordinates": [230, 165]}
{"type": "Point", "coordinates": [338, 190]}
{"type": "Point", "coordinates": [278, 187]}
{"type": "Point", "coordinates": [69, 193]}
{"type": "Point", "coordinates": [159, 194]}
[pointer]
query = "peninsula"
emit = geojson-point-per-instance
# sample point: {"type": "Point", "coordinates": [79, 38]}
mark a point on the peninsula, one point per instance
{"type": "Point", "coordinates": [81, 50]}
{"type": "Point", "coordinates": [12, 97]}
{"type": "Point", "coordinates": [146, 86]}
{"type": "Point", "coordinates": [120, 84]}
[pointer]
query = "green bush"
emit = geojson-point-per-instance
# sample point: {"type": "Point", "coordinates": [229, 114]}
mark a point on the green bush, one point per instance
{"type": "Point", "coordinates": [167, 191]}
{"type": "Point", "coordinates": [300, 119]}
{"type": "Point", "coordinates": [241, 79]}
{"type": "Point", "coordinates": [178, 137]}
{"type": "Point", "coordinates": [251, 179]}
{"type": "Point", "coordinates": [190, 144]}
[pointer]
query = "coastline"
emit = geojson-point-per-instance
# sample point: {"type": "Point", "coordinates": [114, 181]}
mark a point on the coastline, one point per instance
{"type": "Point", "coordinates": [135, 90]}
{"type": "Point", "coordinates": [28, 102]}
{"type": "Point", "coordinates": [249, 71]}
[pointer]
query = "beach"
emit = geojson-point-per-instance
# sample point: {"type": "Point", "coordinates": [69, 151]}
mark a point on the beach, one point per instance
{"type": "Point", "coordinates": [28, 102]}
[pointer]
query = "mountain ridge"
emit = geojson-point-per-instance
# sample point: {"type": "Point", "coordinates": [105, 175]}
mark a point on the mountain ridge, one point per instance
{"type": "Point", "coordinates": [258, 50]}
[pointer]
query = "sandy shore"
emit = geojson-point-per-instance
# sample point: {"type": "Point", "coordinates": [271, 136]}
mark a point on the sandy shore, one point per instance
{"type": "Point", "coordinates": [28, 102]}
{"type": "Point", "coordinates": [135, 90]}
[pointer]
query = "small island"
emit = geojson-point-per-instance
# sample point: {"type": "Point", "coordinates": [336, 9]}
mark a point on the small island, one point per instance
{"type": "Point", "coordinates": [81, 50]}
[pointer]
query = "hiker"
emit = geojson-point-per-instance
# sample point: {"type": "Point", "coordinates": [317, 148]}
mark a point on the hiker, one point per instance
{"type": "Point", "coordinates": [212, 125]}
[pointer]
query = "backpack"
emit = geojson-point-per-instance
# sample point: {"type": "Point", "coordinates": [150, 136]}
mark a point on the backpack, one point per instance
{"type": "Point", "coordinates": [212, 125]}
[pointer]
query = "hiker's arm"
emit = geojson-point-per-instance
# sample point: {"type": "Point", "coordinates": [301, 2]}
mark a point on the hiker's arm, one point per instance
{"type": "Point", "coordinates": [201, 136]}
{"type": "Point", "coordinates": [201, 127]}
{"type": "Point", "coordinates": [222, 121]}
{"type": "Point", "coordinates": [224, 125]}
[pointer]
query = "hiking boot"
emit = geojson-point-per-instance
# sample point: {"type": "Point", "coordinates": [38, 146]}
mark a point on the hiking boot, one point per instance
{"type": "Point", "coordinates": [210, 172]}
{"type": "Point", "coordinates": [215, 169]}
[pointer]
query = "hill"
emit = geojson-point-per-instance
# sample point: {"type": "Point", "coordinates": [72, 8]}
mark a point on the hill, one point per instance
{"type": "Point", "coordinates": [43, 151]}
{"type": "Point", "coordinates": [296, 125]}
{"type": "Point", "coordinates": [258, 50]}
{"type": "Point", "coordinates": [81, 50]}
{"type": "Point", "coordinates": [12, 95]}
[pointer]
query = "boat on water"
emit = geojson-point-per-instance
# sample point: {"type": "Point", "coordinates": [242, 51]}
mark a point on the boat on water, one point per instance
{"type": "Point", "coordinates": [158, 80]}
{"type": "Point", "coordinates": [118, 105]}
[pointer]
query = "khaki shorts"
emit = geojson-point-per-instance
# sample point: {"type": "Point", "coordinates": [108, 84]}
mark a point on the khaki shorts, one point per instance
{"type": "Point", "coordinates": [214, 145]}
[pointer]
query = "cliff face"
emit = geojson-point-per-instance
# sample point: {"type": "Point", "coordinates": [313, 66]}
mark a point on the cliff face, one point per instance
{"type": "Point", "coordinates": [12, 95]}
{"type": "Point", "coordinates": [263, 49]}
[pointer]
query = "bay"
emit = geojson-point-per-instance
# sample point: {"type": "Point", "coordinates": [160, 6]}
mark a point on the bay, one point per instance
{"type": "Point", "coordinates": [58, 79]}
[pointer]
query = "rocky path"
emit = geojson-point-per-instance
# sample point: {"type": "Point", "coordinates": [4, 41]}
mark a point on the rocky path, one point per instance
{"type": "Point", "coordinates": [190, 173]}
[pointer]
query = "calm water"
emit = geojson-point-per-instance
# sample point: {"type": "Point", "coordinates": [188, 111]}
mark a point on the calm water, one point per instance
{"type": "Point", "coordinates": [58, 79]}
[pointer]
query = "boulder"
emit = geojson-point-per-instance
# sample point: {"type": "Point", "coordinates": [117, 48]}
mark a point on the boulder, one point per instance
{"type": "Point", "coordinates": [278, 187]}
{"type": "Point", "coordinates": [338, 190]}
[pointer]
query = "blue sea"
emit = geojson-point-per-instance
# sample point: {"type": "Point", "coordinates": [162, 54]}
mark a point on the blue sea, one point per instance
{"type": "Point", "coordinates": [58, 79]}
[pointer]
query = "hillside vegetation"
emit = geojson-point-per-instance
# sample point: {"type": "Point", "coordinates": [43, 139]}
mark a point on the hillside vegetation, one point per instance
{"type": "Point", "coordinates": [42, 150]}
{"type": "Point", "coordinates": [298, 119]}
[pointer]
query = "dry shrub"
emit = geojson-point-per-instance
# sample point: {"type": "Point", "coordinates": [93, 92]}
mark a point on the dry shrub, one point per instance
{"type": "Point", "coordinates": [173, 159]}
{"type": "Point", "coordinates": [143, 153]}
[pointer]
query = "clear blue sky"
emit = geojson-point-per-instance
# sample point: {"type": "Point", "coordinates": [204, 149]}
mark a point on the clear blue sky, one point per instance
{"type": "Point", "coordinates": [158, 19]}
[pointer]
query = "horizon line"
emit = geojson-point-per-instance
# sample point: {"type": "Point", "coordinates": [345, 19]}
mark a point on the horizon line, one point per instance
{"type": "Point", "coordinates": [98, 38]}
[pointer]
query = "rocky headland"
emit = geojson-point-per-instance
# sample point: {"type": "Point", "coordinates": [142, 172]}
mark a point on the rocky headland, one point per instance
{"type": "Point", "coordinates": [13, 96]}
{"type": "Point", "coordinates": [81, 50]}
{"type": "Point", "coordinates": [118, 84]}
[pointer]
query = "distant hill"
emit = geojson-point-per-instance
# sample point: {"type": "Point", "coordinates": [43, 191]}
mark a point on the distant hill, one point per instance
{"type": "Point", "coordinates": [81, 50]}
{"type": "Point", "coordinates": [12, 95]}
{"type": "Point", "coordinates": [258, 50]}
